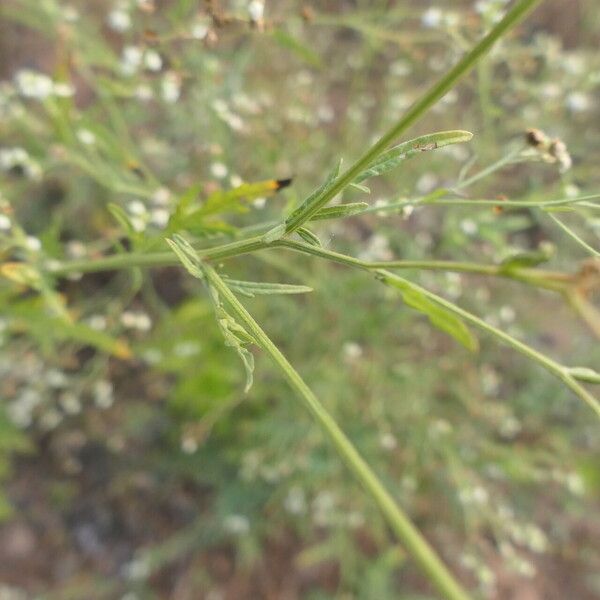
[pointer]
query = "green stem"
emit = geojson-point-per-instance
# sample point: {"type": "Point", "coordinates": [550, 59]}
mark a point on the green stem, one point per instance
{"type": "Point", "coordinates": [408, 534]}
{"type": "Point", "coordinates": [417, 110]}
{"type": "Point", "coordinates": [392, 206]}
{"type": "Point", "coordinates": [545, 279]}
{"type": "Point", "coordinates": [550, 365]}
{"type": "Point", "coordinates": [573, 235]}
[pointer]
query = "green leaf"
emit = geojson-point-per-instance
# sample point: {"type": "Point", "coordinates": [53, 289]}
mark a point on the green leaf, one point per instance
{"type": "Point", "coordinates": [187, 255]}
{"type": "Point", "coordinates": [235, 199]}
{"type": "Point", "coordinates": [439, 316]}
{"type": "Point", "coordinates": [584, 374]}
{"type": "Point", "coordinates": [525, 259]}
{"type": "Point", "coordinates": [308, 236]}
{"type": "Point", "coordinates": [393, 157]}
{"type": "Point", "coordinates": [313, 200]}
{"type": "Point", "coordinates": [361, 188]}
{"type": "Point", "coordinates": [339, 211]}
{"type": "Point", "coordinates": [253, 288]}
{"type": "Point", "coordinates": [234, 334]}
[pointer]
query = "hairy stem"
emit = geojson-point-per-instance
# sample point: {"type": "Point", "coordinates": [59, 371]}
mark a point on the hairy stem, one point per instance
{"type": "Point", "coordinates": [408, 534]}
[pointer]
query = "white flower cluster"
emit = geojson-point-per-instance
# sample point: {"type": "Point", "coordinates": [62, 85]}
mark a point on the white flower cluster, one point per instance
{"type": "Point", "coordinates": [136, 320]}
{"type": "Point", "coordinates": [134, 58]}
{"type": "Point", "coordinates": [157, 215]}
{"type": "Point", "coordinates": [435, 17]}
{"type": "Point", "coordinates": [36, 85]}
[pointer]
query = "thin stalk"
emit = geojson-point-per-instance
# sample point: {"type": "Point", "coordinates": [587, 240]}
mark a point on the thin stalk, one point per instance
{"type": "Point", "coordinates": [550, 365]}
{"type": "Point", "coordinates": [480, 203]}
{"type": "Point", "coordinates": [539, 278]}
{"type": "Point", "coordinates": [574, 236]}
{"type": "Point", "coordinates": [418, 109]}
{"type": "Point", "coordinates": [407, 533]}
{"type": "Point", "coordinates": [551, 280]}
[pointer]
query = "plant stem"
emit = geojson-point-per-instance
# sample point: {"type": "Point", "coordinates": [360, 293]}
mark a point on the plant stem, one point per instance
{"type": "Point", "coordinates": [408, 534]}
{"type": "Point", "coordinates": [417, 110]}
{"type": "Point", "coordinates": [479, 203]}
{"type": "Point", "coordinates": [537, 277]}
{"type": "Point", "coordinates": [554, 367]}
{"type": "Point", "coordinates": [573, 235]}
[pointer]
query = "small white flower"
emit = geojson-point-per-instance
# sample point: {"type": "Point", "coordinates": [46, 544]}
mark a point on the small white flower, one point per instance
{"type": "Point", "coordinates": [159, 217]}
{"type": "Point", "coordinates": [235, 181]}
{"type": "Point", "coordinates": [171, 87]}
{"type": "Point", "coordinates": [256, 10]}
{"type": "Point", "coordinates": [70, 403]}
{"type": "Point", "coordinates": [86, 137]}
{"type": "Point", "coordinates": [144, 92]}
{"type": "Point", "coordinates": [387, 441]}
{"type": "Point", "coordinates": [50, 419]}
{"type": "Point", "coordinates": [469, 226]}
{"type": "Point", "coordinates": [137, 208]}
{"type": "Point", "coordinates": [162, 196]}
{"type": "Point", "coordinates": [236, 524]}
{"type": "Point", "coordinates": [259, 203]}
{"type": "Point", "coordinates": [578, 102]}
{"type": "Point", "coordinates": [188, 445]}
{"type": "Point", "coordinates": [507, 314]}
{"type": "Point", "coordinates": [119, 20]}
{"type": "Point", "coordinates": [152, 60]}
{"type": "Point", "coordinates": [199, 31]}
{"type": "Point", "coordinates": [131, 59]}
{"type": "Point", "coordinates": [352, 350]}
{"type": "Point", "coordinates": [432, 17]}
{"type": "Point", "coordinates": [138, 569]}
{"type": "Point", "coordinates": [32, 243]}
{"type": "Point", "coordinates": [97, 322]}
{"type": "Point", "coordinates": [33, 84]}
{"type": "Point", "coordinates": [136, 320]}
{"type": "Point", "coordinates": [75, 249]}
{"type": "Point", "coordinates": [5, 223]}
{"type": "Point", "coordinates": [295, 501]}
{"type": "Point", "coordinates": [103, 394]}
{"type": "Point", "coordinates": [575, 484]}
{"type": "Point", "coordinates": [218, 170]}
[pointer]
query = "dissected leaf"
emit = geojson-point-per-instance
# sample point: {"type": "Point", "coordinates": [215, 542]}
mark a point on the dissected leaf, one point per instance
{"type": "Point", "coordinates": [234, 334]}
{"type": "Point", "coordinates": [393, 157]}
{"type": "Point", "coordinates": [439, 316]}
{"type": "Point", "coordinates": [234, 199]}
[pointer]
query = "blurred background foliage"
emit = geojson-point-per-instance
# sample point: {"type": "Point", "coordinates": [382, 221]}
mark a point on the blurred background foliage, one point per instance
{"type": "Point", "coordinates": [133, 464]}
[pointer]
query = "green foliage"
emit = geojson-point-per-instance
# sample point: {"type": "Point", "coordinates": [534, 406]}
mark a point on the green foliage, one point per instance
{"type": "Point", "coordinates": [178, 127]}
